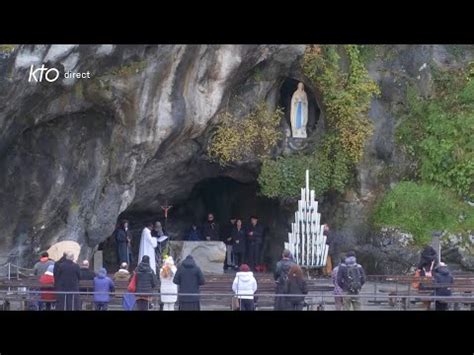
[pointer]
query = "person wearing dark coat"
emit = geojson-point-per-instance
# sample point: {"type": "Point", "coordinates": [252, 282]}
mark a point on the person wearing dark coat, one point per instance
{"type": "Point", "coordinates": [67, 279]}
{"type": "Point", "coordinates": [85, 272]}
{"type": "Point", "coordinates": [122, 241]}
{"type": "Point", "coordinates": [210, 229]}
{"type": "Point", "coordinates": [226, 237]}
{"type": "Point", "coordinates": [189, 278]}
{"type": "Point", "coordinates": [332, 241]}
{"type": "Point", "coordinates": [194, 234]}
{"type": "Point", "coordinates": [428, 257]}
{"type": "Point", "coordinates": [238, 238]}
{"type": "Point", "coordinates": [254, 242]}
{"type": "Point", "coordinates": [146, 283]}
{"type": "Point", "coordinates": [280, 275]}
{"type": "Point", "coordinates": [57, 264]}
{"type": "Point", "coordinates": [296, 286]}
{"type": "Point", "coordinates": [442, 276]}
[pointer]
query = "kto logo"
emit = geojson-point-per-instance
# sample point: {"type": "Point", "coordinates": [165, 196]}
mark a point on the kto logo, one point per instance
{"type": "Point", "coordinates": [37, 75]}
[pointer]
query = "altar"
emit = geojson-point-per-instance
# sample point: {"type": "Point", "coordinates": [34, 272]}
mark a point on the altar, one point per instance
{"type": "Point", "coordinates": [209, 256]}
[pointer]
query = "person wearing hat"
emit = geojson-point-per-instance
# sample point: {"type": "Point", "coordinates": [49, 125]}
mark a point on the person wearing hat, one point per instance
{"type": "Point", "coordinates": [43, 263]}
{"type": "Point", "coordinates": [47, 280]}
{"type": "Point", "coordinates": [103, 285]}
{"type": "Point", "coordinates": [168, 289]}
{"type": "Point", "coordinates": [244, 287]}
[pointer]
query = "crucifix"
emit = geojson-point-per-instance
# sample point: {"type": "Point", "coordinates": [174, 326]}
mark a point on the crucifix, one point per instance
{"type": "Point", "coordinates": [166, 208]}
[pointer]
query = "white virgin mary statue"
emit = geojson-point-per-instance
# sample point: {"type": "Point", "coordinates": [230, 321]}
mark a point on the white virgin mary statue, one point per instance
{"type": "Point", "coordinates": [299, 112]}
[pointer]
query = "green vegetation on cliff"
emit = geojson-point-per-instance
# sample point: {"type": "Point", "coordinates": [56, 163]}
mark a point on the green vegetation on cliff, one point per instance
{"type": "Point", "coordinates": [420, 209]}
{"type": "Point", "coordinates": [437, 132]}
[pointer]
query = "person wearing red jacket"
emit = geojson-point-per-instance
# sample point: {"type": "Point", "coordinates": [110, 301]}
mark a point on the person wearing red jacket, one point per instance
{"type": "Point", "coordinates": [47, 298]}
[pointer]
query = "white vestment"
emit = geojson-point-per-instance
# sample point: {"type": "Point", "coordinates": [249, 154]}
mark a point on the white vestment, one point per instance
{"type": "Point", "coordinates": [147, 247]}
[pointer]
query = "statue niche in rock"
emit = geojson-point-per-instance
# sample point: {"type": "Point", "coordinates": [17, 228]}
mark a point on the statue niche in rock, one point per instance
{"type": "Point", "coordinates": [299, 112]}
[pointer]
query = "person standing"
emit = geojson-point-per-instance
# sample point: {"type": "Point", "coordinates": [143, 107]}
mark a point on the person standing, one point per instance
{"type": "Point", "coordinates": [194, 235]}
{"type": "Point", "coordinates": [351, 277]}
{"type": "Point", "coordinates": [42, 265]}
{"type": "Point", "coordinates": [210, 230]}
{"type": "Point", "coordinates": [228, 241]}
{"type": "Point", "coordinates": [442, 276]}
{"type": "Point", "coordinates": [57, 264]}
{"type": "Point", "coordinates": [122, 241]}
{"type": "Point", "coordinates": [168, 289]}
{"type": "Point", "coordinates": [67, 280]}
{"type": "Point", "coordinates": [47, 280]}
{"type": "Point", "coordinates": [146, 282]}
{"type": "Point", "coordinates": [147, 246]}
{"type": "Point", "coordinates": [157, 231]}
{"type": "Point", "coordinates": [281, 279]}
{"type": "Point", "coordinates": [254, 241]}
{"type": "Point", "coordinates": [189, 279]}
{"type": "Point", "coordinates": [239, 245]}
{"type": "Point", "coordinates": [338, 299]}
{"type": "Point", "coordinates": [103, 285]}
{"type": "Point", "coordinates": [245, 286]}
{"type": "Point", "coordinates": [333, 241]}
{"type": "Point", "coordinates": [296, 286]}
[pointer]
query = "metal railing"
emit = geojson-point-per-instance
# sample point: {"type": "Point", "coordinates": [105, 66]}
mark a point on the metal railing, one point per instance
{"type": "Point", "coordinates": [32, 299]}
{"type": "Point", "coordinates": [16, 270]}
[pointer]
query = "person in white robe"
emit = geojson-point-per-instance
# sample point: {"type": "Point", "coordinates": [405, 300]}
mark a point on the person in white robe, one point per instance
{"type": "Point", "coordinates": [148, 245]}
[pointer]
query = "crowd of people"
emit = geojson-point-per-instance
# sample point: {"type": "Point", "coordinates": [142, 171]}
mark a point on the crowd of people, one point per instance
{"type": "Point", "coordinates": [244, 243]}
{"type": "Point", "coordinates": [181, 284]}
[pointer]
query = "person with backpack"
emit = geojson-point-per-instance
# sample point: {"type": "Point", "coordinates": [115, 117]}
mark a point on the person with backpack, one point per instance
{"type": "Point", "coordinates": [351, 277]}
{"type": "Point", "coordinates": [428, 257]}
{"type": "Point", "coordinates": [281, 279]}
{"type": "Point", "coordinates": [425, 270]}
{"type": "Point", "coordinates": [338, 299]}
{"type": "Point", "coordinates": [146, 282]}
{"type": "Point", "coordinates": [295, 286]}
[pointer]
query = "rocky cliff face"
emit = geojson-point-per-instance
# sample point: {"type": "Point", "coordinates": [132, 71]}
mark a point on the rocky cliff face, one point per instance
{"type": "Point", "coordinates": [76, 153]}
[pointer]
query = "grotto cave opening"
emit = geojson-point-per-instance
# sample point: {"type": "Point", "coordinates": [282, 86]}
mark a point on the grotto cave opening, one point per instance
{"type": "Point", "coordinates": [223, 196]}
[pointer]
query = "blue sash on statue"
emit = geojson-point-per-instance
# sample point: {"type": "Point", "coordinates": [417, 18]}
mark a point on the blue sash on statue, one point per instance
{"type": "Point", "coordinates": [299, 115]}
